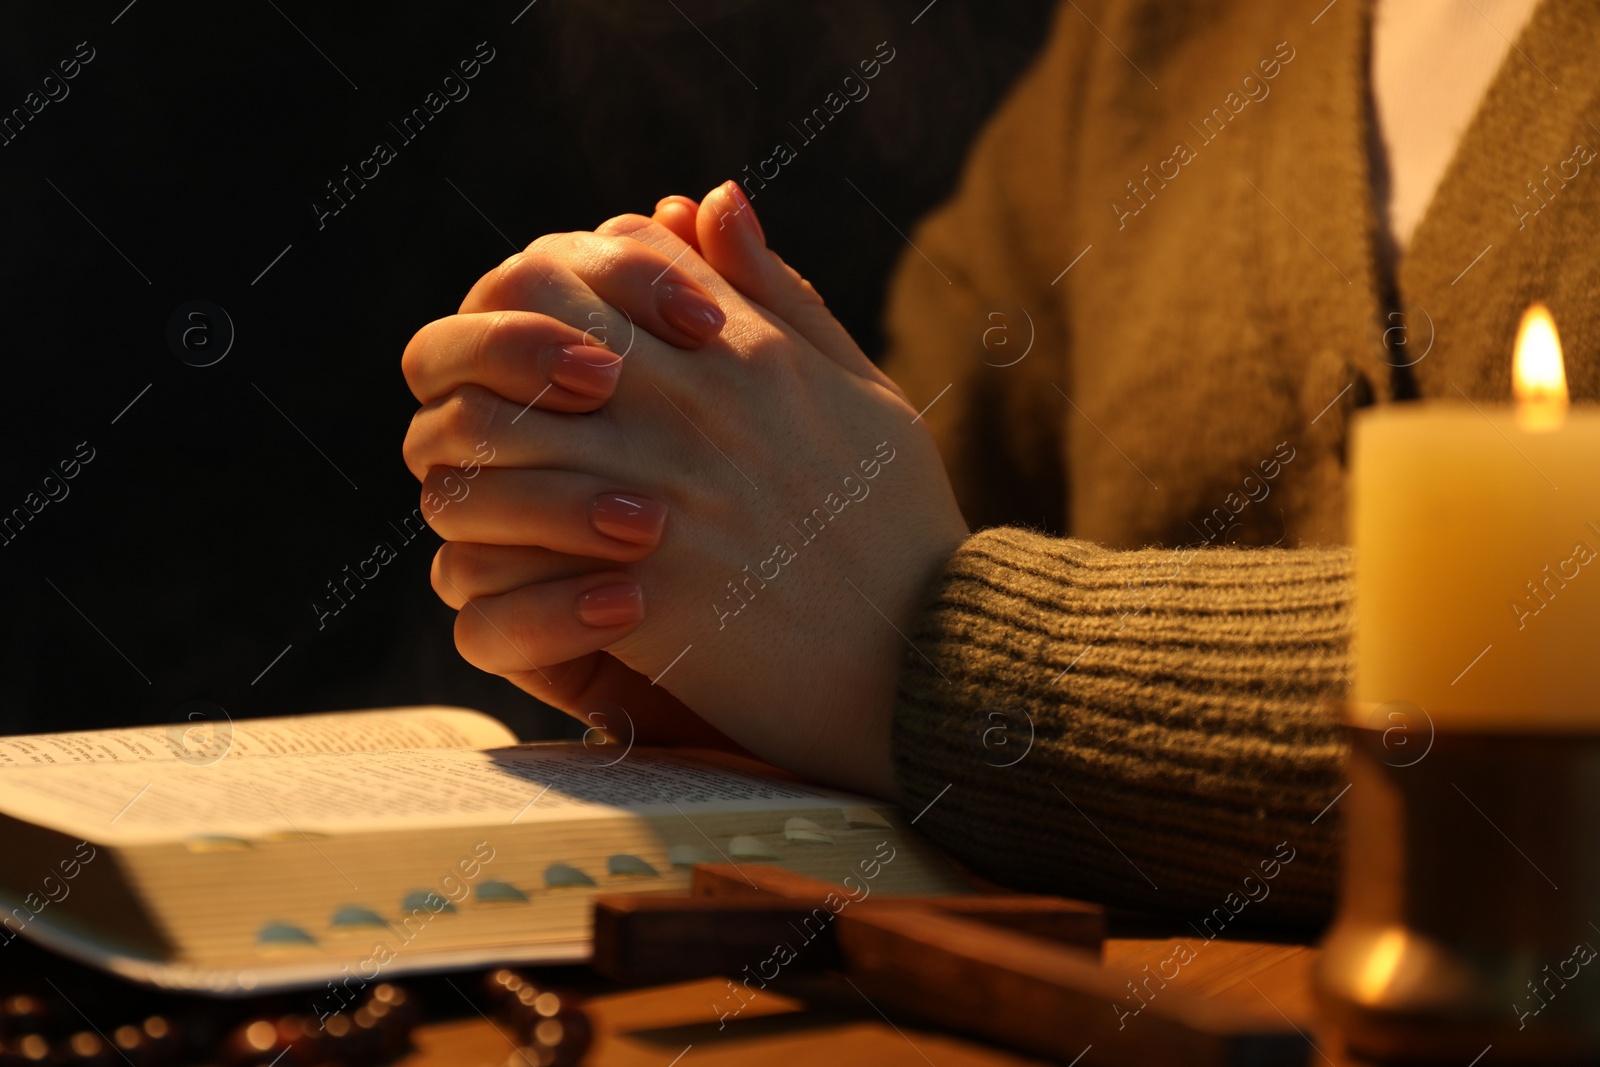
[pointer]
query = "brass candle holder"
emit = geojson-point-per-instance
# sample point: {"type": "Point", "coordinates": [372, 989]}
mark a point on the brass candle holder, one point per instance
{"type": "Point", "coordinates": [1469, 912]}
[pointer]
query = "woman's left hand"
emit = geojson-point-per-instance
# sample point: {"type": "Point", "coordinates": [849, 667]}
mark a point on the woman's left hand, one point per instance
{"type": "Point", "coordinates": [807, 507]}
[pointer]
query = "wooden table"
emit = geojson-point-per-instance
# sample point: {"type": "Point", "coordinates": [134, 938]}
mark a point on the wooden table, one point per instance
{"type": "Point", "coordinates": [807, 1018]}
{"type": "Point", "coordinates": [825, 1020]}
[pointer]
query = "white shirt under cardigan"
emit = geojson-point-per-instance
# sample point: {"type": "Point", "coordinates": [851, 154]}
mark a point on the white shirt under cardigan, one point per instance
{"type": "Point", "coordinates": [1432, 61]}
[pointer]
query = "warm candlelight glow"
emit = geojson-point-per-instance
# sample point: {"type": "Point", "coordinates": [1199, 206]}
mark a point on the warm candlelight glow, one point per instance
{"type": "Point", "coordinates": [1538, 374]}
{"type": "Point", "coordinates": [1382, 963]}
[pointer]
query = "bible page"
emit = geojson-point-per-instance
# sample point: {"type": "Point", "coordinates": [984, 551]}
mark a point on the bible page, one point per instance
{"type": "Point", "coordinates": [204, 739]}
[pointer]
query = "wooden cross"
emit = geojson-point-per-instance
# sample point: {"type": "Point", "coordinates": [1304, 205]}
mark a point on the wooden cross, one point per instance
{"type": "Point", "coordinates": [1022, 971]}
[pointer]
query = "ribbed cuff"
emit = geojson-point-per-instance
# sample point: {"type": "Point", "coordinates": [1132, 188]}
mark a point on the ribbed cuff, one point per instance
{"type": "Point", "coordinates": [1145, 728]}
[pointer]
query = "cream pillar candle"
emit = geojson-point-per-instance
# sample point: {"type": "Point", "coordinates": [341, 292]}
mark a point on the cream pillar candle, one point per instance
{"type": "Point", "coordinates": [1477, 536]}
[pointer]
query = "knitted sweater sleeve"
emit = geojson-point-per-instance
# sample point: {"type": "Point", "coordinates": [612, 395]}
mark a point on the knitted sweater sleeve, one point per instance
{"type": "Point", "coordinates": [1147, 728]}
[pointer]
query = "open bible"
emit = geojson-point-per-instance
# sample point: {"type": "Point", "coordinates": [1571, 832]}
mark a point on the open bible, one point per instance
{"type": "Point", "coordinates": [272, 853]}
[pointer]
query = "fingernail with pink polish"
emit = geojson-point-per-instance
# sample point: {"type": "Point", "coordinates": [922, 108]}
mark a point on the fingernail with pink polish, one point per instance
{"type": "Point", "coordinates": [612, 605]}
{"type": "Point", "coordinates": [746, 212]}
{"type": "Point", "coordinates": [587, 371]}
{"type": "Point", "coordinates": [637, 520]}
{"type": "Point", "coordinates": [691, 311]}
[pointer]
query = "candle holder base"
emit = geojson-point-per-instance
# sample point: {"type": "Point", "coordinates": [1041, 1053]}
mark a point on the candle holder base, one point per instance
{"type": "Point", "coordinates": [1470, 896]}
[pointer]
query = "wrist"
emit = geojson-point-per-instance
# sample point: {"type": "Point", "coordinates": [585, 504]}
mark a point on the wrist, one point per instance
{"type": "Point", "coordinates": [908, 652]}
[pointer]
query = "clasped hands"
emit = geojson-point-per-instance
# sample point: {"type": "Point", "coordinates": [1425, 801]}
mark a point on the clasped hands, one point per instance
{"type": "Point", "coordinates": [694, 511]}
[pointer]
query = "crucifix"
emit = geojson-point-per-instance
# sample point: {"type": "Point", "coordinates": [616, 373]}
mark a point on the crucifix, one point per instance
{"type": "Point", "coordinates": [1018, 970]}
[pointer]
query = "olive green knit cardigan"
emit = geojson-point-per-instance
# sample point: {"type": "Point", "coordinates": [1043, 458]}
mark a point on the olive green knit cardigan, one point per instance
{"type": "Point", "coordinates": [1157, 299]}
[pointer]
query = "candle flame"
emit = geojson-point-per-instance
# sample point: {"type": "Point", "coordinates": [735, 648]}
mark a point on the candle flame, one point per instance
{"type": "Point", "coordinates": [1538, 373]}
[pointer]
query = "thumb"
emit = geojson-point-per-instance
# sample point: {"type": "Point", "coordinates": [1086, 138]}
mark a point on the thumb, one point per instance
{"type": "Point", "coordinates": [734, 245]}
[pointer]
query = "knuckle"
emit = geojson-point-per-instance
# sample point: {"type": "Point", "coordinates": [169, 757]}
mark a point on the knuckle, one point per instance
{"type": "Point", "coordinates": [491, 289]}
{"type": "Point", "coordinates": [586, 254]}
{"type": "Point", "coordinates": [623, 225]}
{"type": "Point", "coordinates": [467, 640]}
{"type": "Point", "coordinates": [413, 358]}
{"type": "Point", "coordinates": [595, 254]}
{"type": "Point", "coordinates": [533, 270]}
{"type": "Point", "coordinates": [452, 571]}
{"type": "Point", "coordinates": [527, 627]}
{"type": "Point", "coordinates": [427, 504]}
{"type": "Point", "coordinates": [430, 501]}
{"type": "Point", "coordinates": [510, 284]}
{"type": "Point", "coordinates": [435, 504]}
{"type": "Point", "coordinates": [624, 253]}
{"type": "Point", "coordinates": [466, 569]}
{"type": "Point", "coordinates": [623, 258]}
{"type": "Point", "coordinates": [443, 576]}
{"type": "Point", "coordinates": [412, 449]}
{"type": "Point", "coordinates": [478, 357]}
{"type": "Point", "coordinates": [467, 415]}
{"type": "Point", "coordinates": [546, 243]}
{"type": "Point", "coordinates": [445, 487]}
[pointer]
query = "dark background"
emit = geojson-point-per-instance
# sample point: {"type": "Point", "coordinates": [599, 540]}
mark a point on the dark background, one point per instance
{"type": "Point", "coordinates": [188, 552]}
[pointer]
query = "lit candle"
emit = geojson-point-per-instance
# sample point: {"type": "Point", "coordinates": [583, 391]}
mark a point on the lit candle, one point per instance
{"type": "Point", "coordinates": [1477, 536]}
